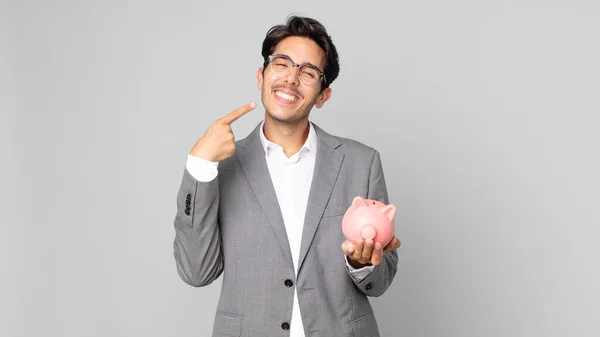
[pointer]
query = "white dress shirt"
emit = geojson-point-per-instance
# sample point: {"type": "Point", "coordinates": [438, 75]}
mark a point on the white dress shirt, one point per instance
{"type": "Point", "coordinates": [291, 177]}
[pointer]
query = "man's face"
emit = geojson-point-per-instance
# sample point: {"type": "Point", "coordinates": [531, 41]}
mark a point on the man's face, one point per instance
{"type": "Point", "coordinates": [285, 98]}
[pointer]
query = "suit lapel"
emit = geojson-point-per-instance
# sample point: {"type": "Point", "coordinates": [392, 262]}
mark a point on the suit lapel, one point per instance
{"type": "Point", "coordinates": [252, 159]}
{"type": "Point", "coordinates": [327, 167]}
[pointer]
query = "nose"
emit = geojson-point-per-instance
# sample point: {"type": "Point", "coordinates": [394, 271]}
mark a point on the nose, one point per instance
{"type": "Point", "coordinates": [293, 76]}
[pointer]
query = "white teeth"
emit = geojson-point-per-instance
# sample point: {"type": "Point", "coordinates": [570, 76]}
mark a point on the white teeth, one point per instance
{"type": "Point", "coordinates": [286, 96]}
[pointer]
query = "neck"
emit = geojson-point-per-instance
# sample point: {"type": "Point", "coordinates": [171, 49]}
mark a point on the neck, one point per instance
{"type": "Point", "coordinates": [290, 136]}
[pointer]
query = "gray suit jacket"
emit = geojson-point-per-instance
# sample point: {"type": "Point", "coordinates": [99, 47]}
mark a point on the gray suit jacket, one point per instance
{"type": "Point", "coordinates": [232, 225]}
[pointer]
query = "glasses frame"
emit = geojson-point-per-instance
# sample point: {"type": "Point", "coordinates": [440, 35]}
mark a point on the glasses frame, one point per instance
{"type": "Point", "coordinates": [294, 64]}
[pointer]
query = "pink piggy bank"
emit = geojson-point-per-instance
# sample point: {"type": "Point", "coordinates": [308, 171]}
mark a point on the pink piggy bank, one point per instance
{"type": "Point", "coordinates": [369, 219]}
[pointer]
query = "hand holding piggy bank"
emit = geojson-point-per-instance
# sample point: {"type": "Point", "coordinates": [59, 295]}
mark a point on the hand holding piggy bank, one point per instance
{"type": "Point", "coordinates": [369, 220]}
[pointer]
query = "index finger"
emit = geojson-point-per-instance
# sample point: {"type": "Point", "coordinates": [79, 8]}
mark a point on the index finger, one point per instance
{"type": "Point", "coordinates": [347, 248]}
{"type": "Point", "coordinates": [237, 113]}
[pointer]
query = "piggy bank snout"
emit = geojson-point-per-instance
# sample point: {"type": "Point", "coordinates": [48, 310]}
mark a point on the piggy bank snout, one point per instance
{"type": "Point", "coordinates": [368, 233]}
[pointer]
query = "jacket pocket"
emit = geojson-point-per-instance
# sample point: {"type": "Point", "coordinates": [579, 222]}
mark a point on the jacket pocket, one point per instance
{"type": "Point", "coordinates": [227, 324]}
{"type": "Point", "coordinates": [334, 211]}
{"type": "Point", "coordinates": [365, 326]}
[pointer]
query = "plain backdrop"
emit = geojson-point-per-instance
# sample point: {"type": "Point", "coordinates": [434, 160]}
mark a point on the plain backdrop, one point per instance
{"type": "Point", "coordinates": [485, 114]}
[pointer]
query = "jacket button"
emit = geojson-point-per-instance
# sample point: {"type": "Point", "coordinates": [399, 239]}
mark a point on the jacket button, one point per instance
{"type": "Point", "coordinates": [187, 212]}
{"type": "Point", "coordinates": [369, 286]}
{"type": "Point", "coordinates": [285, 326]}
{"type": "Point", "coordinates": [188, 197]}
{"type": "Point", "coordinates": [288, 283]}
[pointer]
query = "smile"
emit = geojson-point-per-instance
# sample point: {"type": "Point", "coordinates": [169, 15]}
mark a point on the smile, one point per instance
{"type": "Point", "coordinates": [285, 98]}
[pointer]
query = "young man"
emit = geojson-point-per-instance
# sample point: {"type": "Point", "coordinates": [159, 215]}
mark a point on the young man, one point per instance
{"type": "Point", "coordinates": [266, 211]}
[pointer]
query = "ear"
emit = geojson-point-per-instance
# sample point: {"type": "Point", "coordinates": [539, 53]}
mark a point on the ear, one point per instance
{"type": "Point", "coordinates": [389, 211]}
{"type": "Point", "coordinates": [323, 97]}
{"type": "Point", "coordinates": [259, 77]}
{"type": "Point", "coordinates": [358, 202]}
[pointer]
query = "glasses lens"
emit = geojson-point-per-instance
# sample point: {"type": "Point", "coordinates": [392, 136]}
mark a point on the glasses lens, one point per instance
{"type": "Point", "coordinates": [281, 66]}
{"type": "Point", "coordinates": [309, 75]}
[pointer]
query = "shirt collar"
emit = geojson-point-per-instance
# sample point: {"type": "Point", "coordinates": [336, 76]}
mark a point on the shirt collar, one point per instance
{"type": "Point", "coordinates": [310, 144]}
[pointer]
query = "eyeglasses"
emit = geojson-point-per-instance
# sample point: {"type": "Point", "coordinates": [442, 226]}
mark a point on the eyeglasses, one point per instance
{"type": "Point", "coordinates": [281, 65]}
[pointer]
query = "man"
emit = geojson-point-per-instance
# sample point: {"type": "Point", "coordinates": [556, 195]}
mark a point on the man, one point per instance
{"type": "Point", "coordinates": [266, 211]}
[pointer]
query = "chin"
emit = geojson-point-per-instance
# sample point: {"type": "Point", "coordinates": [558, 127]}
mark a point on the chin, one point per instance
{"type": "Point", "coordinates": [285, 117]}
{"type": "Point", "coordinates": [282, 117]}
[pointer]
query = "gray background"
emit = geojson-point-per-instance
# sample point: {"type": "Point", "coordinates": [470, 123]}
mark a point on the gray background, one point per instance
{"type": "Point", "coordinates": [485, 114]}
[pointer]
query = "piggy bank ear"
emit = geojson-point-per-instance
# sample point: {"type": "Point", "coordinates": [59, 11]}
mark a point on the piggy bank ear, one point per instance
{"type": "Point", "coordinates": [389, 211]}
{"type": "Point", "coordinates": [358, 202]}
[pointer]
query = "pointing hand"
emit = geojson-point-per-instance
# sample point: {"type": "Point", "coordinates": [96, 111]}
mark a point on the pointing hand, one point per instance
{"type": "Point", "coordinates": [218, 142]}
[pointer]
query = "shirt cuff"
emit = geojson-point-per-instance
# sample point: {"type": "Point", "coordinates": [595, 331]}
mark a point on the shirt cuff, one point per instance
{"type": "Point", "coordinates": [360, 273]}
{"type": "Point", "coordinates": [201, 169]}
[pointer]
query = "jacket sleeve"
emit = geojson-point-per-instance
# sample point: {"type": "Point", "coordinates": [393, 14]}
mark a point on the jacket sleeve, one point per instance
{"type": "Point", "coordinates": [378, 281]}
{"type": "Point", "coordinates": [197, 244]}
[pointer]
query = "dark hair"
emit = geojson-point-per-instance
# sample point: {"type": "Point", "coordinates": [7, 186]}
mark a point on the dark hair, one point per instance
{"type": "Point", "coordinates": [309, 28]}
